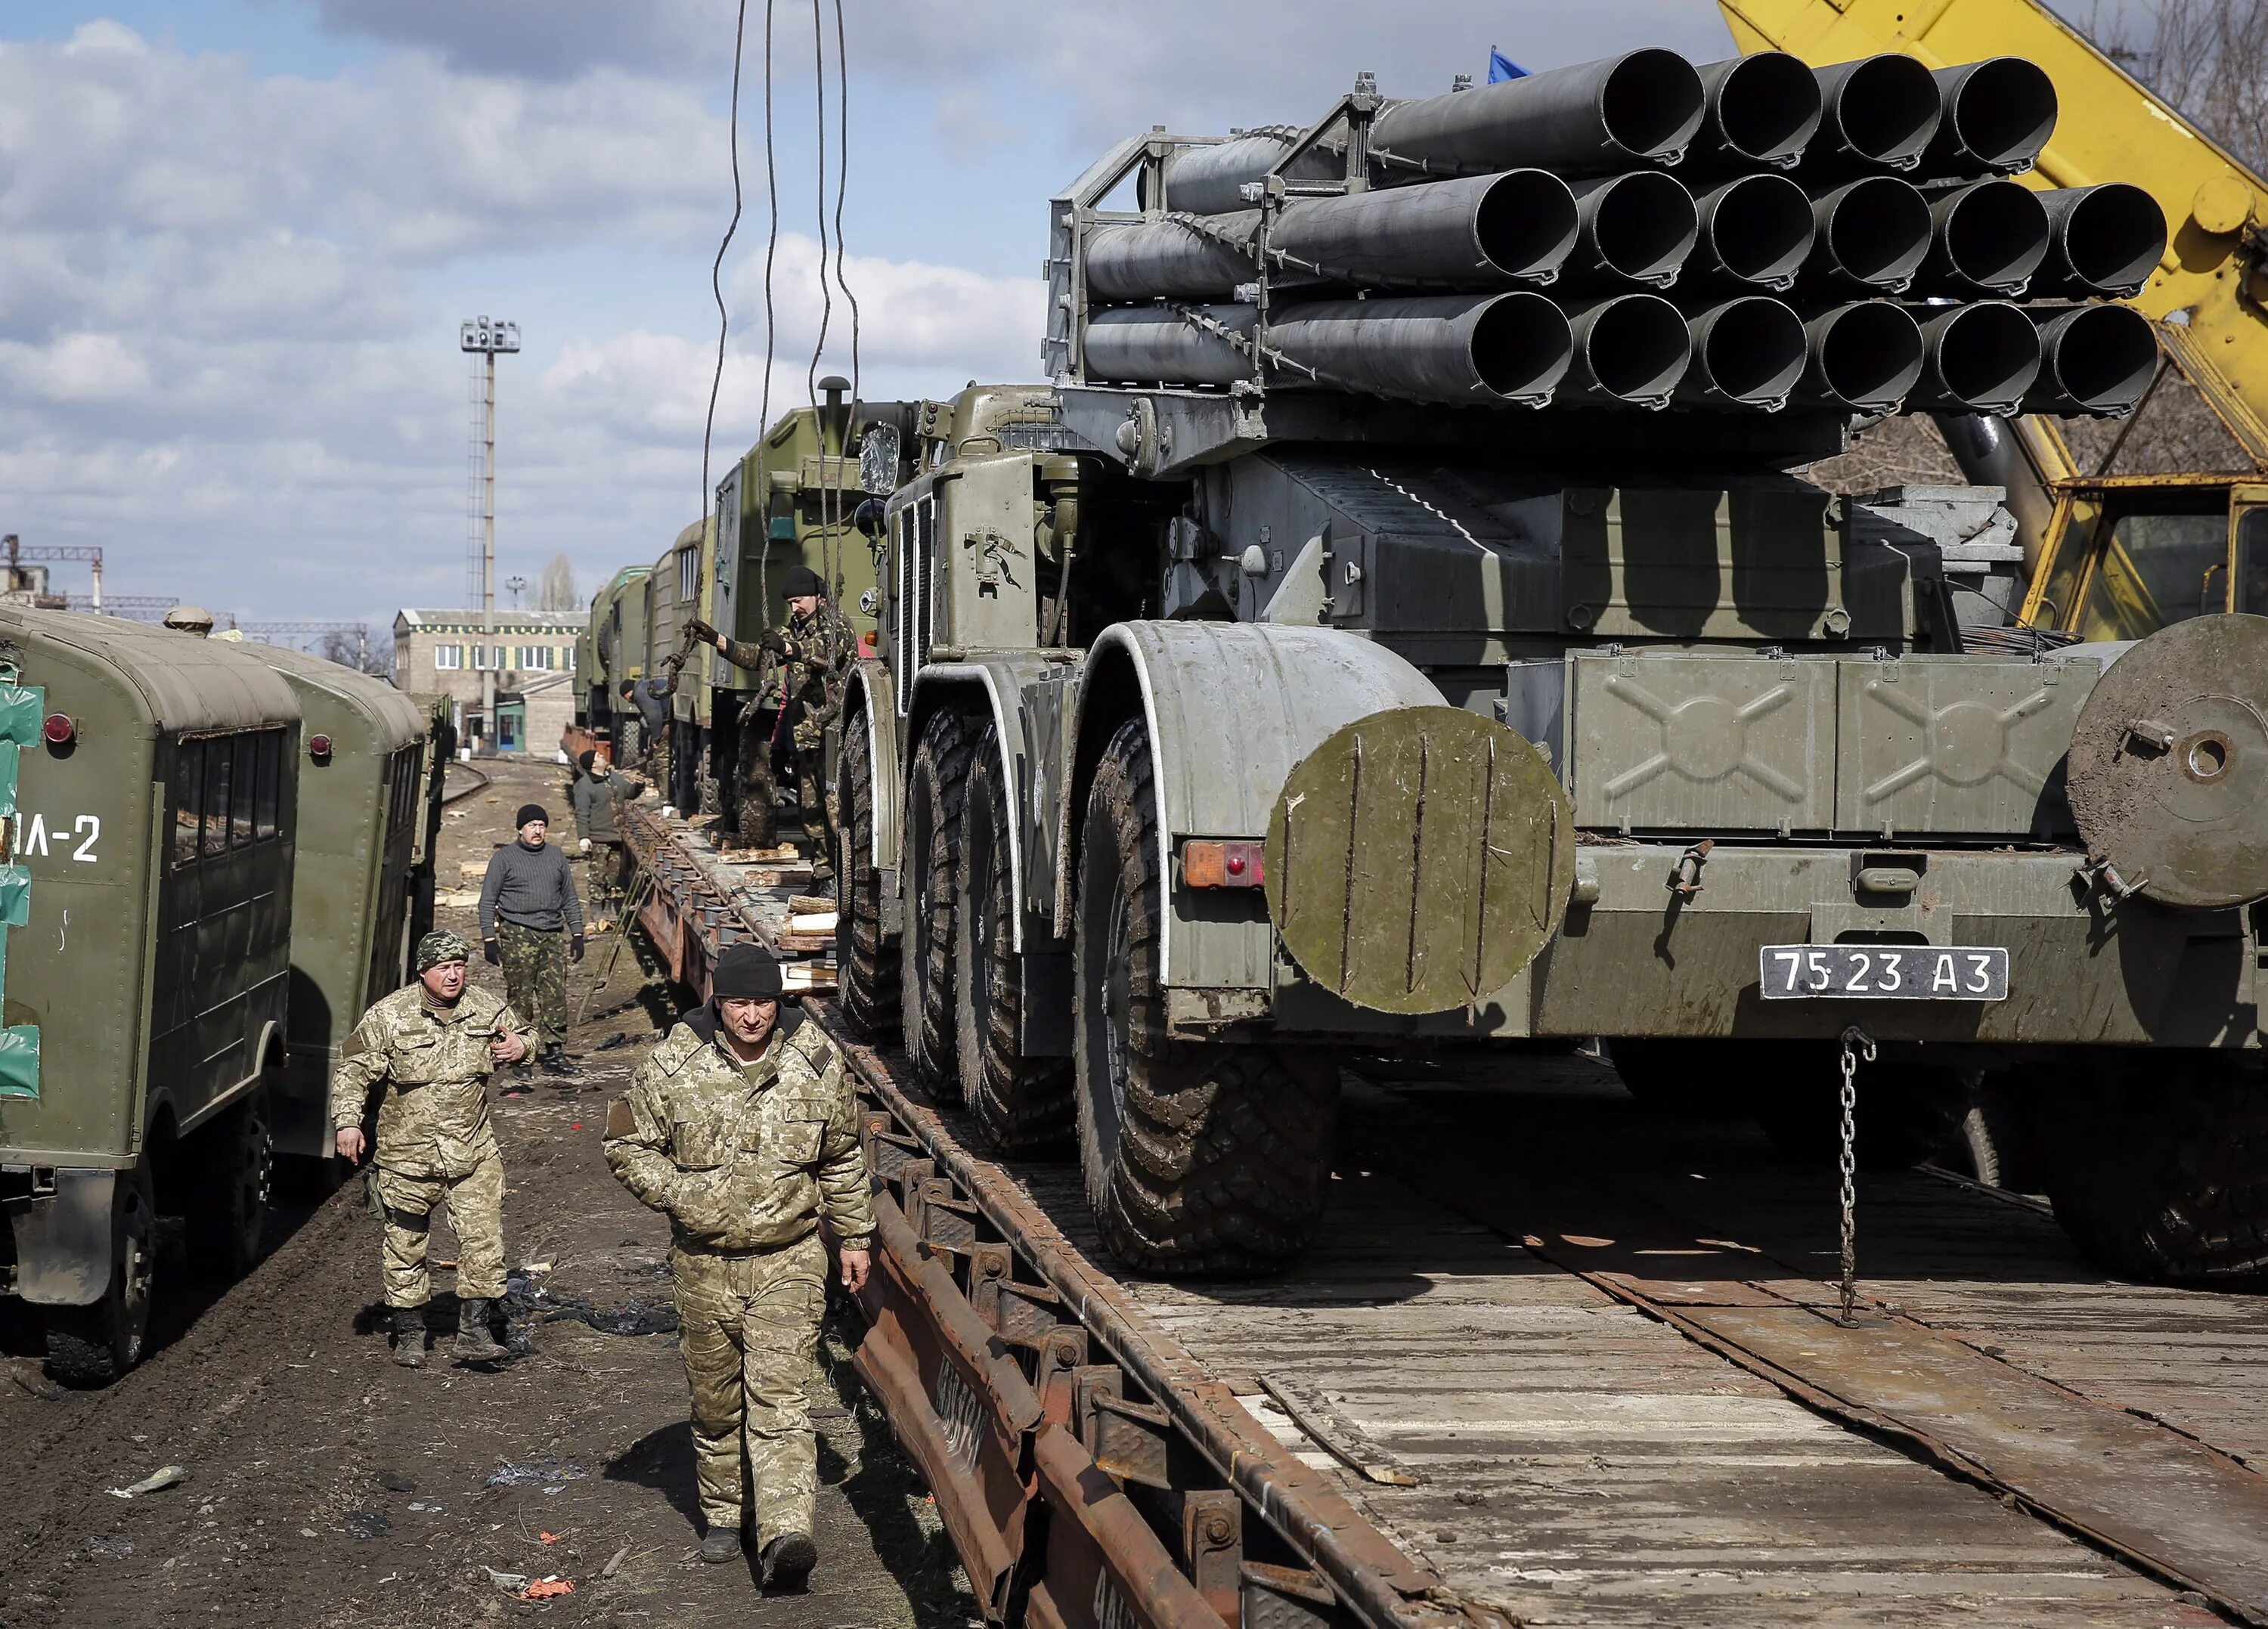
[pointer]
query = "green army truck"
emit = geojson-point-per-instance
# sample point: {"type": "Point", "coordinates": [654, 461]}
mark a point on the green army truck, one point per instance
{"type": "Point", "coordinates": [362, 796]}
{"type": "Point", "coordinates": [679, 588]}
{"type": "Point", "coordinates": [791, 500]}
{"type": "Point", "coordinates": [1393, 624]}
{"type": "Point", "coordinates": [151, 838]}
{"type": "Point", "coordinates": [610, 649]}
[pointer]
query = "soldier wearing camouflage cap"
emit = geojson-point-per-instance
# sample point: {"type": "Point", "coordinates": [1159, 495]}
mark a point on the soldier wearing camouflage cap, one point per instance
{"type": "Point", "coordinates": [429, 1048]}
{"type": "Point", "coordinates": [742, 1128]}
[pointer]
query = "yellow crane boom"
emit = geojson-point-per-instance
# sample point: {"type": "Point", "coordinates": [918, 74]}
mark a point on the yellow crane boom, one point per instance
{"type": "Point", "coordinates": [2206, 297]}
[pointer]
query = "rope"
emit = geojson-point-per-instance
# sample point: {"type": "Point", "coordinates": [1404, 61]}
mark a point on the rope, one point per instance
{"type": "Point", "coordinates": [717, 268]}
{"type": "Point", "coordinates": [771, 252]}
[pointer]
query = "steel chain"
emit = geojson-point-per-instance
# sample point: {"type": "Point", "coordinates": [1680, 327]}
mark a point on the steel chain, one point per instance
{"type": "Point", "coordinates": [1855, 1042]}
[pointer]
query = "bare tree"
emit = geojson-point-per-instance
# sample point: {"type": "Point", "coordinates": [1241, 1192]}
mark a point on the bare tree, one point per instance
{"type": "Point", "coordinates": [360, 649]}
{"type": "Point", "coordinates": [555, 590]}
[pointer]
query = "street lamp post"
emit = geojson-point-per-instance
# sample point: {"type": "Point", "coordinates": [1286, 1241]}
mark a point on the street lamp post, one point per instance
{"type": "Point", "coordinates": [487, 339]}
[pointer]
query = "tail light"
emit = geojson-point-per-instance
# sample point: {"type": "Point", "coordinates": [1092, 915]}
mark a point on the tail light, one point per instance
{"type": "Point", "coordinates": [1206, 864]}
{"type": "Point", "coordinates": [59, 731]}
{"type": "Point", "coordinates": [319, 749]}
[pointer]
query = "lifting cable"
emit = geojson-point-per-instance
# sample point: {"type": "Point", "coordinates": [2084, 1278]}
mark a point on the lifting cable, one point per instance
{"type": "Point", "coordinates": [717, 268]}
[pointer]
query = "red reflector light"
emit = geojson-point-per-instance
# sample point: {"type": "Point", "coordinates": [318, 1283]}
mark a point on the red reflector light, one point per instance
{"type": "Point", "coordinates": [1207, 864]}
{"type": "Point", "coordinates": [59, 730]}
{"type": "Point", "coordinates": [319, 749]}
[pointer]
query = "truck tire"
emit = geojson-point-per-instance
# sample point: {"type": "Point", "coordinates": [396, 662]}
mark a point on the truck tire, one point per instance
{"type": "Point", "coordinates": [2158, 1169]}
{"type": "Point", "coordinates": [232, 1163]}
{"type": "Point", "coordinates": [933, 843]}
{"type": "Point", "coordinates": [1998, 1145]}
{"type": "Point", "coordinates": [865, 962]}
{"type": "Point", "coordinates": [1020, 1102]}
{"type": "Point", "coordinates": [1199, 1158]}
{"type": "Point", "coordinates": [94, 1345]}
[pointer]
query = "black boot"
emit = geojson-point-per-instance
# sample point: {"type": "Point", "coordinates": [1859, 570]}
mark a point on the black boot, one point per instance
{"type": "Point", "coordinates": [410, 1337]}
{"type": "Point", "coordinates": [474, 1343]}
{"type": "Point", "coordinates": [556, 1062]}
{"type": "Point", "coordinates": [788, 1561]}
{"type": "Point", "coordinates": [720, 1543]}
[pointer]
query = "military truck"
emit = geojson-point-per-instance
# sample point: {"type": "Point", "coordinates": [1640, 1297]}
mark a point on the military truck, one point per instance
{"type": "Point", "coordinates": [610, 649]}
{"type": "Point", "coordinates": [362, 796]}
{"type": "Point", "coordinates": [677, 589]}
{"type": "Point", "coordinates": [150, 780]}
{"type": "Point", "coordinates": [1393, 625]}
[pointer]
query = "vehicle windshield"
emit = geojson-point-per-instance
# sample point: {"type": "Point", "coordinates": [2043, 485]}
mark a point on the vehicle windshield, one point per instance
{"type": "Point", "coordinates": [2157, 568]}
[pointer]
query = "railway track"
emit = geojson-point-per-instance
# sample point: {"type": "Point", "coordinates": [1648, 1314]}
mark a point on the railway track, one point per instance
{"type": "Point", "coordinates": [1555, 1359]}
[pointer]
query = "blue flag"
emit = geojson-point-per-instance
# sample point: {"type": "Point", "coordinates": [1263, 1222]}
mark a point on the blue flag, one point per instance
{"type": "Point", "coordinates": [1502, 67]}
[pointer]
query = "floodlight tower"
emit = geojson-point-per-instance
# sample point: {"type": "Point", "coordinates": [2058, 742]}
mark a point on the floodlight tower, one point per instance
{"type": "Point", "coordinates": [489, 340]}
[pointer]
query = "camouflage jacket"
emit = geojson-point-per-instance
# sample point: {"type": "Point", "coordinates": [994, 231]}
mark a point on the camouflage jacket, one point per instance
{"type": "Point", "coordinates": [743, 1160]}
{"type": "Point", "coordinates": [434, 1069]}
{"type": "Point", "coordinates": [820, 650]}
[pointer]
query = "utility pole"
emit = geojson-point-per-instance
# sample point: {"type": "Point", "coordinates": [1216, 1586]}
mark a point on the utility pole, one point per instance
{"type": "Point", "coordinates": [487, 339]}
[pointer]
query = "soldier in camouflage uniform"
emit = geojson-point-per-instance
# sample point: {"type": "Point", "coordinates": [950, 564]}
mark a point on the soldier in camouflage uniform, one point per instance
{"type": "Point", "coordinates": [801, 665]}
{"type": "Point", "coordinates": [431, 1046]}
{"type": "Point", "coordinates": [742, 1128]}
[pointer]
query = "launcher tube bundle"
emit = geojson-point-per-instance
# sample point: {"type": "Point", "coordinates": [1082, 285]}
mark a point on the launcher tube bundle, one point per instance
{"type": "Point", "coordinates": [1747, 236]}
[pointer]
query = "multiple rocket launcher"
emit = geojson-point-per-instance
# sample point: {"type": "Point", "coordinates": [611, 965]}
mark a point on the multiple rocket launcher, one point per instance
{"type": "Point", "coordinates": [1636, 232]}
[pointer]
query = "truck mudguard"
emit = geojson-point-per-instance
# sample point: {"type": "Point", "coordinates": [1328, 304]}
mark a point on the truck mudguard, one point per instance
{"type": "Point", "coordinates": [1231, 708]}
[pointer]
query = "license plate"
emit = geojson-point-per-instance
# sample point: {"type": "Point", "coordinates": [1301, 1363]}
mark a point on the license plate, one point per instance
{"type": "Point", "coordinates": [1883, 972]}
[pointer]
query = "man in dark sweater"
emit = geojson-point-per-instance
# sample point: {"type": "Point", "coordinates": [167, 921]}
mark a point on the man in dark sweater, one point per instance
{"type": "Point", "coordinates": [531, 921]}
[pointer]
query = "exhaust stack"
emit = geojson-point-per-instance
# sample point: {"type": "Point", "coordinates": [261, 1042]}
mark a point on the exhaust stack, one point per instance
{"type": "Point", "coordinates": [1747, 352]}
{"type": "Point", "coordinates": [1865, 356]}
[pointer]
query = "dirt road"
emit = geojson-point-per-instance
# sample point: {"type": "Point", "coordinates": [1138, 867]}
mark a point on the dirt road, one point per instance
{"type": "Point", "coordinates": [327, 1486]}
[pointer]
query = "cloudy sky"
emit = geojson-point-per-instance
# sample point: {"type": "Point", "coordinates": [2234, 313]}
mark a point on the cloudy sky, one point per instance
{"type": "Point", "coordinates": [240, 236]}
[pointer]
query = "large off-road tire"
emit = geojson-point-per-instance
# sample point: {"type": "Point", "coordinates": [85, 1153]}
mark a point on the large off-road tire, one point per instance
{"type": "Point", "coordinates": [1020, 1102]}
{"type": "Point", "coordinates": [932, 845]}
{"type": "Point", "coordinates": [1998, 1143]}
{"type": "Point", "coordinates": [865, 959]}
{"type": "Point", "coordinates": [94, 1345]}
{"type": "Point", "coordinates": [1199, 1158]}
{"type": "Point", "coordinates": [2158, 1164]}
{"type": "Point", "coordinates": [230, 1169]}
{"type": "Point", "coordinates": [1907, 1112]}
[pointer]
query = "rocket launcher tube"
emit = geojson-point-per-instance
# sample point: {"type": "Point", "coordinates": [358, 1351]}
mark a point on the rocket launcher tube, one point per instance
{"type": "Point", "coordinates": [1976, 358]}
{"type": "Point", "coordinates": [1169, 259]}
{"type": "Point", "coordinates": [1164, 345]}
{"type": "Point", "coordinates": [1479, 231]}
{"type": "Point", "coordinates": [1874, 232]}
{"type": "Point", "coordinates": [1999, 115]}
{"type": "Point", "coordinates": [2094, 359]}
{"type": "Point", "coordinates": [1865, 355]}
{"type": "Point", "coordinates": [2105, 240]}
{"type": "Point", "coordinates": [1452, 348]}
{"type": "Point", "coordinates": [1638, 227]}
{"type": "Point", "coordinates": [1762, 108]}
{"type": "Point", "coordinates": [1991, 235]}
{"type": "Point", "coordinates": [1631, 350]}
{"type": "Point", "coordinates": [1590, 118]}
{"type": "Point", "coordinates": [1879, 112]}
{"type": "Point", "coordinates": [1756, 229]}
{"type": "Point", "coordinates": [1747, 352]}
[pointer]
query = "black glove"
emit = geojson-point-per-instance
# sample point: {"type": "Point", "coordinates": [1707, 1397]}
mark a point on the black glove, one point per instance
{"type": "Point", "coordinates": [701, 631]}
{"type": "Point", "coordinates": [773, 640]}
{"type": "Point", "coordinates": [495, 956]}
{"type": "Point", "coordinates": [575, 947]}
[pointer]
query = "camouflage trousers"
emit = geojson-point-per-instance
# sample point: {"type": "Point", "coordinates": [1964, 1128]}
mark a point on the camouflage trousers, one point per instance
{"type": "Point", "coordinates": [535, 978]}
{"type": "Point", "coordinates": [748, 1326]}
{"type": "Point", "coordinates": [476, 1202]}
{"type": "Point", "coordinates": [760, 792]}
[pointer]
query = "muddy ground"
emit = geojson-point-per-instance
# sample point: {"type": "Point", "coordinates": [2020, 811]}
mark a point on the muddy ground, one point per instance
{"type": "Point", "coordinates": [327, 1486]}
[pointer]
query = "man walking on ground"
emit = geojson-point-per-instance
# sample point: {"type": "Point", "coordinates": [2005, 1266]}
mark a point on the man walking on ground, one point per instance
{"type": "Point", "coordinates": [742, 1129]}
{"type": "Point", "coordinates": [789, 716]}
{"type": "Point", "coordinates": [531, 923]}
{"type": "Point", "coordinates": [431, 1046]}
{"type": "Point", "coordinates": [593, 796]}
